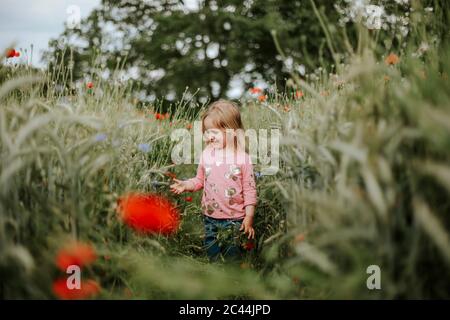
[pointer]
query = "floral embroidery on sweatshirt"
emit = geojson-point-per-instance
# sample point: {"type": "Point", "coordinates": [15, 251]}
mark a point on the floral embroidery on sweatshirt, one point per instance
{"type": "Point", "coordinates": [228, 183]}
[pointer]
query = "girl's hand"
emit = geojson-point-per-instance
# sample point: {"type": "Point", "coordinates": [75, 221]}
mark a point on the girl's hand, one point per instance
{"type": "Point", "coordinates": [179, 186]}
{"type": "Point", "coordinates": [247, 226]}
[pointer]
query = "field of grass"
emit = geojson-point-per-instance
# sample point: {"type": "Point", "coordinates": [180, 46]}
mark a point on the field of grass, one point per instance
{"type": "Point", "coordinates": [364, 180]}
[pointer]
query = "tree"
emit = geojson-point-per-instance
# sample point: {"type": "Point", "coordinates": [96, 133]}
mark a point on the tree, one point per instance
{"type": "Point", "coordinates": [168, 47]}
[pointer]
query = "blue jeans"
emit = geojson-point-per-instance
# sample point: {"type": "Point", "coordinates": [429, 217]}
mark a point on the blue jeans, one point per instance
{"type": "Point", "coordinates": [222, 237]}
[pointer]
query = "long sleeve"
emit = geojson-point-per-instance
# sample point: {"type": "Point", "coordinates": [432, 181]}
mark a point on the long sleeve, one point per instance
{"type": "Point", "coordinates": [248, 184]}
{"type": "Point", "coordinates": [198, 180]}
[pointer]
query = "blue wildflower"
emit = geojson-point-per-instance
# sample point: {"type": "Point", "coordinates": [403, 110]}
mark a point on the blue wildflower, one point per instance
{"type": "Point", "coordinates": [100, 137]}
{"type": "Point", "coordinates": [258, 174]}
{"type": "Point", "coordinates": [144, 147]}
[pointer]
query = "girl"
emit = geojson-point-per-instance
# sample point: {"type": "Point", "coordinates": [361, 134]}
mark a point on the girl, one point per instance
{"type": "Point", "coordinates": [225, 173]}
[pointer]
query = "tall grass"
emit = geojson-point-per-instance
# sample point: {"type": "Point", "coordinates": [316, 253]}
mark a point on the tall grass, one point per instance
{"type": "Point", "coordinates": [364, 180]}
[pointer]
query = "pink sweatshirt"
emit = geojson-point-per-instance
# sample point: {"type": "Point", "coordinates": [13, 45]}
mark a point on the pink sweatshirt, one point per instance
{"type": "Point", "coordinates": [228, 183]}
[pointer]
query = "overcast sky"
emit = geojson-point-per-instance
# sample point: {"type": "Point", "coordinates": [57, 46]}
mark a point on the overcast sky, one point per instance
{"type": "Point", "coordinates": [35, 22]}
{"type": "Point", "coordinates": [27, 22]}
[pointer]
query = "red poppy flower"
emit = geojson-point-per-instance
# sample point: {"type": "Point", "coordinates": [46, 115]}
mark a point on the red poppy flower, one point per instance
{"type": "Point", "coordinates": [127, 292]}
{"type": "Point", "coordinates": [189, 126]}
{"type": "Point", "coordinates": [244, 265]}
{"type": "Point", "coordinates": [392, 59]}
{"type": "Point", "coordinates": [299, 238]}
{"type": "Point", "coordinates": [88, 289]}
{"type": "Point", "coordinates": [75, 253]}
{"type": "Point", "coordinates": [89, 85]}
{"type": "Point", "coordinates": [188, 199]}
{"type": "Point", "coordinates": [158, 116]}
{"type": "Point", "coordinates": [262, 98]}
{"type": "Point", "coordinates": [255, 90]}
{"type": "Point", "coordinates": [171, 175]}
{"type": "Point", "coordinates": [17, 54]}
{"type": "Point", "coordinates": [298, 94]}
{"type": "Point", "coordinates": [149, 213]}
{"type": "Point", "coordinates": [249, 245]}
{"type": "Point", "coordinates": [11, 53]}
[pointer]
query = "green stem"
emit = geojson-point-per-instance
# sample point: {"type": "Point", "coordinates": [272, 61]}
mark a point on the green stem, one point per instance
{"type": "Point", "coordinates": [325, 30]}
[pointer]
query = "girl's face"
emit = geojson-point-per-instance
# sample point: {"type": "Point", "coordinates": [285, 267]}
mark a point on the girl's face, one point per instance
{"type": "Point", "coordinates": [216, 137]}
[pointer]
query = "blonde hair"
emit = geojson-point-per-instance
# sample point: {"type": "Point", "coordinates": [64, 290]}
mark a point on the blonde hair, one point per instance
{"type": "Point", "coordinates": [225, 115]}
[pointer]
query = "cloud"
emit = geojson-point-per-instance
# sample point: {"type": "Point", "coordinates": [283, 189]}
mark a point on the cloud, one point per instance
{"type": "Point", "coordinates": [36, 22]}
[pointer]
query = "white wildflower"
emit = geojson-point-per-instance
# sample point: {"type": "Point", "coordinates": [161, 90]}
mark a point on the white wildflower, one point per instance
{"type": "Point", "coordinates": [374, 16]}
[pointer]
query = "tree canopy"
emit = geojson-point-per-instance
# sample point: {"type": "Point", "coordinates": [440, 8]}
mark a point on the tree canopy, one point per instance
{"type": "Point", "coordinates": [171, 50]}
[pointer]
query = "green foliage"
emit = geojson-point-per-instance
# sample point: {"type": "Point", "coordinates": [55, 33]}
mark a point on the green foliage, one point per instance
{"type": "Point", "coordinates": [161, 35]}
{"type": "Point", "coordinates": [363, 180]}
